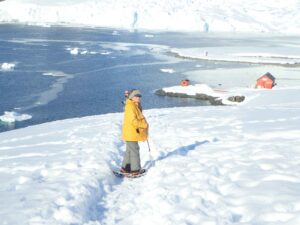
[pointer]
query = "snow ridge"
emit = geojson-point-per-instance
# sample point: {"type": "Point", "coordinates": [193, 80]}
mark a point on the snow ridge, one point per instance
{"type": "Point", "coordinates": [203, 170]}
{"type": "Point", "coordinates": [183, 15]}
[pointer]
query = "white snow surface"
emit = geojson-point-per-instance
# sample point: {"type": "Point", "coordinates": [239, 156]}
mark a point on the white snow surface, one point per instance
{"type": "Point", "coordinates": [281, 16]}
{"type": "Point", "coordinates": [259, 55]}
{"type": "Point", "coordinates": [193, 90]}
{"type": "Point", "coordinates": [207, 165]}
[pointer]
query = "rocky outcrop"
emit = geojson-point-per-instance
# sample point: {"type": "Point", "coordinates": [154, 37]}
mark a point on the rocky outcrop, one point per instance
{"type": "Point", "coordinates": [236, 98]}
{"type": "Point", "coordinates": [204, 97]}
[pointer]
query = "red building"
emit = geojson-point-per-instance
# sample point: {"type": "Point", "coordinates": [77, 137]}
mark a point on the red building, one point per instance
{"type": "Point", "coordinates": [266, 81]}
{"type": "Point", "coordinates": [185, 82]}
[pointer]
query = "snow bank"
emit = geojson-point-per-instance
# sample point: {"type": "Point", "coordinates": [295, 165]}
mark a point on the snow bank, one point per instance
{"type": "Point", "coordinates": [235, 79]}
{"type": "Point", "coordinates": [207, 165]}
{"type": "Point", "coordinates": [50, 177]}
{"type": "Point", "coordinates": [224, 83]}
{"type": "Point", "coordinates": [216, 96]}
{"type": "Point", "coordinates": [191, 89]}
{"type": "Point", "coordinates": [204, 16]}
{"type": "Point", "coordinates": [258, 55]}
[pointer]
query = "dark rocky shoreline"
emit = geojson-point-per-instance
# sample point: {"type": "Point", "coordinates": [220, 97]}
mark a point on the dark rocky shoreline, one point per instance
{"type": "Point", "coordinates": [212, 100]}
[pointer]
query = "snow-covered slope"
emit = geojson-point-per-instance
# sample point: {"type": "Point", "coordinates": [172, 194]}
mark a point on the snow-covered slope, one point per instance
{"type": "Point", "coordinates": [207, 165]}
{"type": "Point", "coordinates": [280, 16]}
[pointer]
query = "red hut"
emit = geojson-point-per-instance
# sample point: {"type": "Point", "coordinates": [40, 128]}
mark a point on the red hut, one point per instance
{"type": "Point", "coordinates": [185, 82]}
{"type": "Point", "coordinates": [266, 81]}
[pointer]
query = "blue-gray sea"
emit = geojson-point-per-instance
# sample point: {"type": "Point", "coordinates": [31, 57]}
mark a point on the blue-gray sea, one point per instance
{"type": "Point", "coordinates": [64, 72]}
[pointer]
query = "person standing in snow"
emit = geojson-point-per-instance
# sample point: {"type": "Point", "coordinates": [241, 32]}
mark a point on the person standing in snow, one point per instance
{"type": "Point", "coordinates": [135, 129]}
{"type": "Point", "coordinates": [126, 93]}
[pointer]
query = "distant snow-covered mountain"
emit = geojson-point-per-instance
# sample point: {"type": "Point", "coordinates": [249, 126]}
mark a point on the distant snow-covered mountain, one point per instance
{"type": "Point", "coordinates": [270, 16]}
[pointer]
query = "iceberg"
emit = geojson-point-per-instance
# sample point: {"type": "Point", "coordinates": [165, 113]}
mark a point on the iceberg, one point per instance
{"type": "Point", "coordinates": [11, 117]}
{"type": "Point", "coordinates": [7, 66]}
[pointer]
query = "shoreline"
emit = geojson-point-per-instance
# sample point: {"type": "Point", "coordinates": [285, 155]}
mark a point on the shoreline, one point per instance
{"type": "Point", "coordinates": [213, 100]}
{"type": "Point", "coordinates": [177, 55]}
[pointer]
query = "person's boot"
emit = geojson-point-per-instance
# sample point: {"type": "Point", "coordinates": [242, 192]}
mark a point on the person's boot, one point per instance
{"type": "Point", "coordinates": [137, 172]}
{"type": "Point", "coordinates": [124, 171]}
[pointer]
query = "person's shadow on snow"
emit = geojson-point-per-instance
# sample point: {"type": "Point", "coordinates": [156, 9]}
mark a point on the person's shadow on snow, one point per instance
{"type": "Point", "coordinates": [182, 151]}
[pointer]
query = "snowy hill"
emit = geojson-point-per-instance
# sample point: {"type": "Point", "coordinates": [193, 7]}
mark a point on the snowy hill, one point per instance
{"type": "Point", "coordinates": [280, 16]}
{"type": "Point", "coordinates": [207, 165]}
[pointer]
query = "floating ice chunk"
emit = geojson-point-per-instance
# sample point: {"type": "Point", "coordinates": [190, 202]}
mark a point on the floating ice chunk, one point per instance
{"type": "Point", "coordinates": [55, 74]}
{"type": "Point", "coordinates": [106, 53]}
{"type": "Point", "coordinates": [11, 117]}
{"type": "Point", "coordinates": [149, 35]}
{"type": "Point", "coordinates": [74, 51]}
{"type": "Point", "coordinates": [117, 46]}
{"type": "Point", "coordinates": [7, 66]}
{"type": "Point", "coordinates": [167, 70]}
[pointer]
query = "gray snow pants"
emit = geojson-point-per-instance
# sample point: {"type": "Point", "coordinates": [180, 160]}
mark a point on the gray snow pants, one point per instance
{"type": "Point", "coordinates": [131, 161]}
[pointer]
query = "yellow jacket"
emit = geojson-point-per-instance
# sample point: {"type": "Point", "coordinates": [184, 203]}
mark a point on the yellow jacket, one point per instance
{"type": "Point", "coordinates": [135, 126]}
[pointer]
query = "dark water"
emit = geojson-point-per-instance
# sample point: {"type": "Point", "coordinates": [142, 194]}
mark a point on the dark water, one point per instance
{"type": "Point", "coordinates": [91, 82]}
